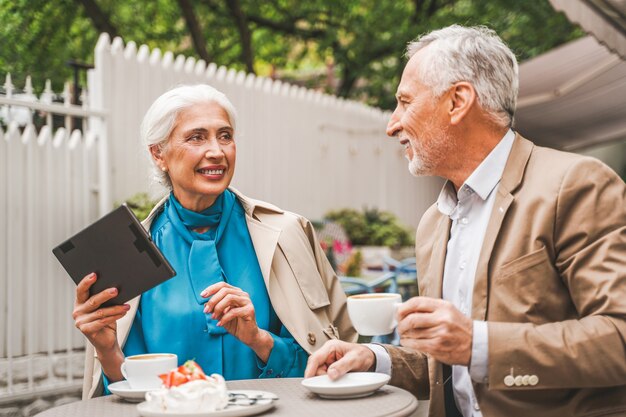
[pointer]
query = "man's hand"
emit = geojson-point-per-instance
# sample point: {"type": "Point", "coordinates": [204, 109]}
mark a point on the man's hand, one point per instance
{"type": "Point", "coordinates": [437, 328]}
{"type": "Point", "coordinates": [336, 358]}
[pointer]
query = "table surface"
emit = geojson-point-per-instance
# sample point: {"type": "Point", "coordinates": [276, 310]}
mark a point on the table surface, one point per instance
{"type": "Point", "coordinates": [294, 400]}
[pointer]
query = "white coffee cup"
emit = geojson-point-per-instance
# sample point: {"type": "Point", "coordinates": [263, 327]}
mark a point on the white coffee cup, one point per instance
{"type": "Point", "coordinates": [142, 371]}
{"type": "Point", "coordinates": [374, 314]}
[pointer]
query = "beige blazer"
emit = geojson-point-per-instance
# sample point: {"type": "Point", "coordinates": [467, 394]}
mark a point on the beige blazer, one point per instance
{"type": "Point", "coordinates": [302, 286]}
{"type": "Point", "coordinates": [551, 283]}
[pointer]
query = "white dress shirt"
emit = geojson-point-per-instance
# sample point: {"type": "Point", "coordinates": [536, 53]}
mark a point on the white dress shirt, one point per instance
{"type": "Point", "coordinates": [469, 208]}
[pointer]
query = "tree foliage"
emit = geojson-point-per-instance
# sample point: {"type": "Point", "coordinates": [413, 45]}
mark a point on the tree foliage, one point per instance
{"type": "Point", "coordinates": [352, 48]}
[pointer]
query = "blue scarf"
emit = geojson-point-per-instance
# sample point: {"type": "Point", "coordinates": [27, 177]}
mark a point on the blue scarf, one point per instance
{"type": "Point", "coordinates": [170, 316]}
{"type": "Point", "coordinates": [204, 264]}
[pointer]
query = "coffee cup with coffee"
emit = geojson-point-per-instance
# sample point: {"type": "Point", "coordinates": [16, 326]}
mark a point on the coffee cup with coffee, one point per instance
{"type": "Point", "coordinates": [142, 371]}
{"type": "Point", "coordinates": [374, 314]}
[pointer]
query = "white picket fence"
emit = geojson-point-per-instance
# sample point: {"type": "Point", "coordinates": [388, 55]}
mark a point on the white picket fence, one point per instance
{"type": "Point", "coordinates": [302, 150]}
{"type": "Point", "coordinates": [48, 189]}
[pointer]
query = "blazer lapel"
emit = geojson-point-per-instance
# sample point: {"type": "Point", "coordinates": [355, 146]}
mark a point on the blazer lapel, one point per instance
{"type": "Point", "coordinates": [434, 274]}
{"type": "Point", "coordinates": [511, 179]}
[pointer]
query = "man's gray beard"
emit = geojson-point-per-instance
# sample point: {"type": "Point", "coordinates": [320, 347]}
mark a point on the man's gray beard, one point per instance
{"type": "Point", "coordinates": [422, 163]}
{"type": "Point", "coordinates": [416, 165]}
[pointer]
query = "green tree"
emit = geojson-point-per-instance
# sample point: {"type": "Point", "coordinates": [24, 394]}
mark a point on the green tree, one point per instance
{"type": "Point", "coordinates": [352, 48]}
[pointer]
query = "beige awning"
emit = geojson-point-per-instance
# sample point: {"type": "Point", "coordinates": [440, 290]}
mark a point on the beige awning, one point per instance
{"type": "Point", "coordinates": [604, 19]}
{"type": "Point", "coordinates": [573, 96]}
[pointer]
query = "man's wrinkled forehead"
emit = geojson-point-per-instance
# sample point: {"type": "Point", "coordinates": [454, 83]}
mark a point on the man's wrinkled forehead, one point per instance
{"type": "Point", "coordinates": [411, 76]}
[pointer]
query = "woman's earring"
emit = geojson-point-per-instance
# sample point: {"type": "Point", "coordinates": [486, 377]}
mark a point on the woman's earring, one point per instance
{"type": "Point", "coordinates": [164, 169]}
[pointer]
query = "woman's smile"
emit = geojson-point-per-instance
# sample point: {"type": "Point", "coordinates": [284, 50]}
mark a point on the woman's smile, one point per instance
{"type": "Point", "coordinates": [212, 172]}
{"type": "Point", "coordinates": [200, 155]}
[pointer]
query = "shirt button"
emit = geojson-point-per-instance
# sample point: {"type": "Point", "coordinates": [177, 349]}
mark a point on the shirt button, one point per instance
{"type": "Point", "coordinates": [462, 265]}
{"type": "Point", "coordinates": [270, 372]}
{"type": "Point", "coordinates": [464, 220]}
{"type": "Point", "coordinates": [476, 406]}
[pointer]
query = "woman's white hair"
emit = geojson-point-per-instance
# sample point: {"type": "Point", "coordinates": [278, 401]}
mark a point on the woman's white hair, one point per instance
{"type": "Point", "coordinates": [158, 123]}
{"type": "Point", "coordinates": [476, 55]}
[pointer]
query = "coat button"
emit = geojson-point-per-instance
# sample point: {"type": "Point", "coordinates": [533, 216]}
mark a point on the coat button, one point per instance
{"type": "Point", "coordinates": [509, 380]}
{"type": "Point", "coordinates": [533, 380]}
{"type": "Point", "coordinates": [311, 338]}
{"type": "Point", "coordinates": [518, 381]}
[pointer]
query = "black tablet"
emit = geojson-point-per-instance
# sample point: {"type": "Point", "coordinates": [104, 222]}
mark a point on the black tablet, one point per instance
{"type": "Point", "coordinates": [118, 249]}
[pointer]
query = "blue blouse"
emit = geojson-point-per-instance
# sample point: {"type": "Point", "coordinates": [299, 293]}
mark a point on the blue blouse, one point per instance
{"type": "Point", "coordinates": [170, 316]}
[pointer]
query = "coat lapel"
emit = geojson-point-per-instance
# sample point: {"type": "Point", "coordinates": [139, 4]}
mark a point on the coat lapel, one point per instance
{"type": "Point", "coordinates": [511, 178]}
{"type": "Point", "coordinates": [264, 239]}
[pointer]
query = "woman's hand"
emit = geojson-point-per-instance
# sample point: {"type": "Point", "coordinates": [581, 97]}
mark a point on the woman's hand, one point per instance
{"type": "Point", "coordinates": [234, 311]}
{"type": "Point", "coordinates": [99, 325]}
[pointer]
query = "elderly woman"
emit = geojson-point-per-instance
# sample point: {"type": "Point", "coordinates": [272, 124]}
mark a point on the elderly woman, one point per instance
{"type": "Point", "coordinates": [253, 295]}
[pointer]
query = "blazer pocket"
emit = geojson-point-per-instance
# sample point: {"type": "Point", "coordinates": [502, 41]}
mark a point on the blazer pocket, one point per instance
{"type": "Point", "coordinates": [529, 289]}
{"type": "Point", "coordinates": [523, 263]}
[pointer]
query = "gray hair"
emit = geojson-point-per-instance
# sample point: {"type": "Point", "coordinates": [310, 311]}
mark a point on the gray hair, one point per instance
{"type": "Point", "coordinates": [476, 55]}
{"type": "Point", "coordinates": [158, 123]}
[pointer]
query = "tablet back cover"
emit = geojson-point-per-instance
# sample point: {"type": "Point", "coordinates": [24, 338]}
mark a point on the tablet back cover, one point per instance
{"type": "Point", "coordinates": [118, 249]}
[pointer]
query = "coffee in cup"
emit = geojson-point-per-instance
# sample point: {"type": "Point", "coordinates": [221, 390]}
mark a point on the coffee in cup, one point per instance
{"type": "Point", "coordinates": [374, 314]}
{"type": "Point", "coordinates": [142, 371]}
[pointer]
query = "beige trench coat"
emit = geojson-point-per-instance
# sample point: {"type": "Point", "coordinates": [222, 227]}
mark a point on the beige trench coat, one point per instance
{"type": "Point", "coordinates": [302, 286]}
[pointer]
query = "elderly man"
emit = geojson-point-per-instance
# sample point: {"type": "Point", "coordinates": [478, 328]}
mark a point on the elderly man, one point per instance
{"type": "Point", "coordinates": [522, 260]}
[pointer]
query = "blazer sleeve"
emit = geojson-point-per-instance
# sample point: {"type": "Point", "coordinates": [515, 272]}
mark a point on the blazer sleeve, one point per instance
{"type": "Point", "coordinates": [409, 370]}
{"type": "Point", "coordinates": [590, 259]}
{"type": "Point", "coordinates": [338, 310]}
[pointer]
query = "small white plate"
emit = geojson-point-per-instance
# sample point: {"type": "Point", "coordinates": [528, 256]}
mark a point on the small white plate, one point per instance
{"type": "Point", "coordinates": [351, 385]}
{"type": "Point", "coordinates": [122, 389]}
{"type": "Point", "coordinates": [265, 402]}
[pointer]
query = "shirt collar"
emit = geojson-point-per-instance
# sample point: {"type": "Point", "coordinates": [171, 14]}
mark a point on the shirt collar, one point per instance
{"type": "Point", "coordinates": [482, 181]}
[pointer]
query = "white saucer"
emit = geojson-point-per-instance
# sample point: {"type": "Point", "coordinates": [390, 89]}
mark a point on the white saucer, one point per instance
{"type": "Point", "coordinates": [122, 389]}
{"type": "Point", "coordinates": [351, 385]}
{"type": "Point", "coordinates": [265, 402]}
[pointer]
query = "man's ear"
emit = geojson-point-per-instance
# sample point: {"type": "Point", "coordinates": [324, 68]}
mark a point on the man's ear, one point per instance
{"type": "Point", "coordinates": [462, 98]}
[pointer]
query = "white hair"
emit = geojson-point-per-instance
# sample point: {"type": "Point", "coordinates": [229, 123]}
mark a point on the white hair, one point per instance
{"type": "Point", "coordinates": [158, 123]}
{"type": "Point", "coordinates": [476, 55]}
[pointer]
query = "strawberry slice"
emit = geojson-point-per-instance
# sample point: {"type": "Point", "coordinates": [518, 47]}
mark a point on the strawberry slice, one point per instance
{"type": "Point", "coordinates": [189, 371]}
{"type": "Point", "coordinates": [173, 379]}
{"type": "Point", "coordinates": [190, 368]}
